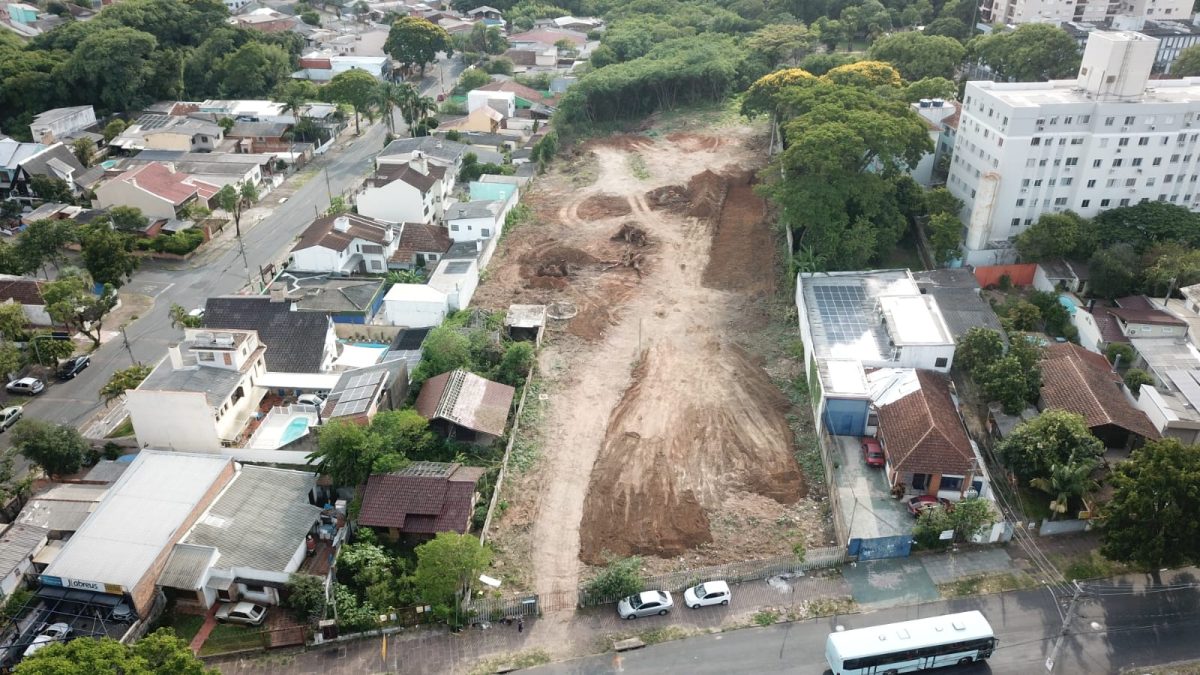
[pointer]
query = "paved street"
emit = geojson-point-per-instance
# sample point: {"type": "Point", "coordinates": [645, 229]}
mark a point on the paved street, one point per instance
{"type": "Point", "coordinates": [219, 269]}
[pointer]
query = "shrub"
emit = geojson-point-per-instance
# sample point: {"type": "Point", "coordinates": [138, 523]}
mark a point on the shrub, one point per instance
{"type": "Point", "coordinates": [112, 451]}
{"type": "Point", "coordinates": [619, 578]}
{"type": "Point", "coordinates": [306, 597]}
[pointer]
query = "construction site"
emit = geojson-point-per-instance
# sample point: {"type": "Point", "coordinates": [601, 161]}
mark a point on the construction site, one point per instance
{"type": "Point", "coordinates": [661, 432]}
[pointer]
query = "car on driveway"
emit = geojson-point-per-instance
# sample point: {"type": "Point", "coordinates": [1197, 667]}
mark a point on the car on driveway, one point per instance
{"type": "Point", "coordinates": [921, 502]}
{"type": "Point", "coordinates": [56, 632]}
{"type": "Point", "coordinates": [9, 416]}
{"type": "Point", "coordinates": [246, 613]}
{"type": "Point", "coordinates": [30, 386]}
{"type": "Point", "coordinates": [646, 603]}
{"type": "Point", "coordinates": [73, 366]}
{"type": "Point", "coordinates": [707, 594]}
{"type": "Point", "coordinates": [872, 452]}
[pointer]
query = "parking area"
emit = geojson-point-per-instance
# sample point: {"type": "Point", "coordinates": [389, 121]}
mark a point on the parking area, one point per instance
{"type": "Point", "coordinates": [85, 613]}
{"type": "Point", "coordinates": [866, 502]}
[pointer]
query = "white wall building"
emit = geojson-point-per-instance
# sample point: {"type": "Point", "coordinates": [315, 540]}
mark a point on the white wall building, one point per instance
{"type": "Point", "coordinates": [405, 193]}
{"type": "Point", "coordinates": [503, 102]}
{"type": "Point", "coordinates": [1106, 139]}
{"type": "Point", "coordinates": [456, 279]}
{"type": "Point", "coordinates": [345, 244]}
{"type": "Point", "coordinates": [51, 125]}
{"type": "Point", "coordinates": [935, 112]}
{"type": "Point", "coordinates": [415, 305]}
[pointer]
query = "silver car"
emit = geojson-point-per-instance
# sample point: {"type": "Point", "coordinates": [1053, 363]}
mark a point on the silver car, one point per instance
{"type": "Point", "coordinates": [246, 613]}
{"type": "Point", "coordinates": [9, 416]}
{"type": "Point", "coordinates": [646, 603]}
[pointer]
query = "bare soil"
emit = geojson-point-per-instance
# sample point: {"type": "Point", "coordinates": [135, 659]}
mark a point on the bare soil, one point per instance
{"type": "Point", "coordinates": [661, 434]}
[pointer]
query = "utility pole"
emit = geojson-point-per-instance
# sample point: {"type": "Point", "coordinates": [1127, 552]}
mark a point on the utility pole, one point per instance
{"type": "Point", "coordinates": [1066, 626]}
{"type": "Point", "coordinates": [128, 347]}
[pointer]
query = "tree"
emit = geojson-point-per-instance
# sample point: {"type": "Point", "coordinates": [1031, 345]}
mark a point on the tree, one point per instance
{"type": "Point", "coordinates": [59, 450]}
{"type": "Point", "coordinates": [949, 27]}
{"type": "Point", "coordinates": [471, 78]}
{"type": "Point", "coordinates": [1187, 64]}
{"type": "Point", "coordinates": [311, 18]}
{"type": "Point", "coordinates": [13, 322]}
{"type": "Point", "coordinates": [515, 364]}
{"type": "Point", "coordinates": [941, 201]}
{"type": "Point", "coordinates": [1153, 517]}
{"type": "Point", "coordinates": [1119, 354]}
{"type": "Point", "coordinates": [1175, 266]}
{"type": "Point", "coordinates": [357, 89]}
{"type": "Point", "coordinates": [403, 432]}
{"type": "Point", "coordinates": [50, 351]}
{"type": "Point", "coordinates": [620, 577]}
{"type": "Point", "coordinates": [447, 565]}
{"type": "Point", "coordinates": [1056, 235]}
{"type": "Point", "coordinates": [84, 149]}
{"type": "Point", "coordinates": [107, 255]}
{"type": "Point", "coordinates": [1067, 481]}
{"type": "Point", "coordinates": [70, 301]}
{"type": "Point", "coordinates": [1113, 271]}
{"type": "Point", "coordinates": [1145, 224]}
{"type": "Point", "coordinates": [1135, 378]}
{"type": "Point", "coordinates": [128, 219]}
{"type": "Point", "coordinates": [945, 237]}
{"type": "Point", "coordinates": [306, 597]}
{"type": "Point", "coordinates": [235, 200]}
{"type": "Point", "coordinates": [1055, 437]}
{"type": "Point", "coordinates": [977, 348]}
{"type": "Point", "coordinates": [1034, 52]}
{"type": "Point", "coordinates": [122, 381]}
{"type": "Point", "coordinates": [781, 43]}
{"type": "Point", "coordinates": [415, 42]}
{"type": "Point", "coordinates": [969, 516]}
{"type": "Point", "coordinates": [1021, 315]}
{"type": "Point", "coordinates": [252, 69]}
{"type": "Point", "coordinates": [51, 189]}
{"type": "Point", "coordinates": [1004, 381]}
{"type": "Point", "coordinates": [42, 242]}
{"type": "Point", "coordinates": [483, 39]}
{"type": "Point", "coordinates": [114, 67]}
{"type": "Point", "coordinates": [158, 653]}
{"type": "Point", "coordinates": [113, 129]}
{"type": "Point", "coordinates": [345, 452]}
{"type": "Point", "coordinates": [919, 56]}
{"type": "Point", "coordinates": [182, 318]}
{"type": "Point", "coordinates": [444, 349]}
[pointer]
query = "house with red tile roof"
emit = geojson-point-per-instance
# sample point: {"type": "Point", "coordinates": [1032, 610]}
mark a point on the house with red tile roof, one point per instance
{"type": "Point", "coordinates": [420, 245]}
{"type": "Point", "coordinates": [1083, 382]}
{"type": "Point", "coordinates": [27, 293]}
{"type": "Point", "coordinates": [345, 244]}
{"type": "Point", "coordinates": [156, 188]}
{"type": "Point", "coordinates": [421, 500]}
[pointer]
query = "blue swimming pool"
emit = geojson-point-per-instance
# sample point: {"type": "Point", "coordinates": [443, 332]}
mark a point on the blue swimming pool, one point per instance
{"type": "Point", "coordinates": [295, 429]}
{"type": "Point", "coordinates": [1068, 302]}
{"type": "Point", "coordinates": [368, 345]}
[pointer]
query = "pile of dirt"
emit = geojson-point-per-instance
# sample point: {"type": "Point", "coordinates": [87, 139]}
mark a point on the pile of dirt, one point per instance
{"type": "Point", "coordinates": [604, 206]}
{"type": "Point", "coordinates": [696, 142]}
{"type": "Point", "coordinates": [546, 283]}
{"type": "Point", "coordinates": [630, 233]}
{"type": "Point", "coordinates": [692, 428]}
{"type": "Point", "coordinates": [706, 192]}
{"type": "Point", "coordinates": [558, 268]}
{"type": "Point", "coordinates": [739, 241]}
{"type": "Point", "coordinates": [668, 197]}
{"type": "Point", "coordinates": [553, 259]}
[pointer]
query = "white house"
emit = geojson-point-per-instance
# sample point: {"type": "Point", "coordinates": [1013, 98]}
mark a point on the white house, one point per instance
{"type": "Point", "coordinates": [405, 193]}
{"type": "Point", "coordinates": [200, 397]}
{"type": "Point", "coordinates": [456, 279]}
{"type": "Point", "coordinates": [1106, 139]}
{"type": "Point", "coordinates": [345, 244]}
{"type": "Point", "coordinates": [18, 546]}
{"type": "Point", "coordinates": [415, 305]}
{"type": "Point", "coordinates": [49, 126]}
{"type": "Point", "coordinates": [322, 66]}
{"type": "Point", "coordinates": [503, 102]}
{"type": "Point", "coordinates": [934, 112]}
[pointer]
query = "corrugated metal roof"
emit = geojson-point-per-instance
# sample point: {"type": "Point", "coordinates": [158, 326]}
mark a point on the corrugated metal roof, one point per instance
{"type": "Point", "coordinates": [186, 567]}
{"type": "Point", "coordinates": [260, 520]}
{"type": "Point", "coordinates": [18, 543]}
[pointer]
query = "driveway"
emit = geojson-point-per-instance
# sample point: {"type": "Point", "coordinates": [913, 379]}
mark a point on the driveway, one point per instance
{"type": "Point", "coordinates": [867, 505]}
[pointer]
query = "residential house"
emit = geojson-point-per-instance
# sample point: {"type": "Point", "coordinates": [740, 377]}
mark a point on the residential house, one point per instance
{"type": "Point", "coordinates": [1173, 406]}
{"type": "Point", "coordinates": [419, 245]}
{"type": "Point", "coordinates": [1083, 382]}
{"type": "Point", "coordinates": [297, 342]}
{"type": "Point", "coordinates": [1173, 36]}
{"type": "Point", "coordinates": [549, 36]}
{"type": "Point", "coordinates": [200, 397]}
{"type": "Point", "coordinates": [503, 102]}
{"type": "Point", "coordinates": [361, 393]}
{"type": "Point", "coordinates": [525, 97]}
{"type": "Point", "coordinates": [53, 125]}
{"type": "Point", "coordinates": [323, 66]}
{"type": "Point", "coordinates": [465, 406]}
{"type": "Point", "coordinates": [18, 546]}
{"type": "Point", "coordinates": [437, 150]}
{"type": "Point", "coordinates": [1054, 276]}
{"type": "Point", "coordinates": [934, 112]}
{"type": "Point", "coordinates": [1160, 357]}
{"type": "Point", "coordinates": [264, 20]}
{"type": "Point", "coordinates": [21, 162]}
{"type": "Point", "coordinates": [406, 193]}
{"type": "Point", "coordinates": [247, 110]}
{"type": "Point", "coordinates": [27, 293]}
{"type": "Point", "coordinates": [476, 220]}
{"type": "Point", "coordinates": [852, 321]}
{"type": "Point", "coordinates": [22, 14]}
{"type": "Point", "coordinates": [960, 300]}
{"type": "Point", "coordinates": [155, 131]}
{"type": "Point", "coordinates": [62, 509]}
{"type": "Point", "coordinates": [12, 153]}
{"type": "Point", "coordinates": [924, 441]}
{"type": "Point", "coordinates": [456, 278]}
{"type": "Point", "coordinates": [483, 119]}
{"type": "Point", "coordinates": [345, 244]}
{"type": "Point", "coordinates": [1187, 307]}
{"type": "Point", "coordinates": [216, 168]}
{"type": "Point", "coordinates": [415, 306]}
{"type": "Point", "coordinates": [157, 189]}
{"type": "Point", "coordinates": [578, 24]}
{"type": "Point", "coordinates": [421, 500]}
{"type": "Point", "coordinates": [346, 300]}
{"type": "Point", "coordinates": [261, 137]}
{"type": "Point", "coordinates": [489, 15]}
{"type": "Point", "coordinates": [533, 55]}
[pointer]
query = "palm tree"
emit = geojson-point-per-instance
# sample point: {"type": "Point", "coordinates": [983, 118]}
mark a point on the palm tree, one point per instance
{"type": "Point", "coordinates": [392, 95]}
{"type": "Point", "coordinates": [422, 107]}
{"type": "Point", "coordinates": [1066, 482]}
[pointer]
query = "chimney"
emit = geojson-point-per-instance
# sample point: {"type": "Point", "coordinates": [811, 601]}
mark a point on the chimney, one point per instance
{"type": "Point", "coordinates": [176, 357]}
{"type": "Point", "coordinates": [389, 233]}
{"type": "Point", "coordinates": [478, 244]}
{"type": "Point", "coordinates": [278, 292]}
{"type": "Point", "coordinates": [341, 224]}
{"type": "Point", "coordinates": [419, 163]}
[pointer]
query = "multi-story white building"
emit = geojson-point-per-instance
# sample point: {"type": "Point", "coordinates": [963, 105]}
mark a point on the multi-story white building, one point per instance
{"type": "Point", "coordinates": [1013, 12]}
{"type": "Point", "coordinates": [1103, 140]}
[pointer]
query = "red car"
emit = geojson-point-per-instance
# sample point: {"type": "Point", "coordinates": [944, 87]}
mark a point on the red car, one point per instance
{"type": "Point", "coordinates": [872, 452]}
{"type": "Point", "coordinates": [921, 502]}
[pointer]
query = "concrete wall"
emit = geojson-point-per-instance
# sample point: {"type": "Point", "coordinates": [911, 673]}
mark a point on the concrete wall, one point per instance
{"type": "Point", "coordinates": [1089, 332]}
{"type": "Point", "coordinates": [121, 193]}
{"type": "Point", "coordinates": [471, 229]}
{"type": "Point", "coordinates": [317, 259]}
{"type": "Point", "coordinates": [1021, 275]}
{"type": "Point", "coordinates": [174, 420]}
{"type": "Point", "coordinates": [415, 313]}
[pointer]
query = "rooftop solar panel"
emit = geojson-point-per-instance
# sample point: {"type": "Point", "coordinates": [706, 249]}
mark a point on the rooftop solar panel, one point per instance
{"type": "Point", "coordinates": [844, 312]}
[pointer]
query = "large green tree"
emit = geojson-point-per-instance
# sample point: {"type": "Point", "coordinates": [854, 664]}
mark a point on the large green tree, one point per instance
{"type": "Point", "coordinates": [58, 449]}
{"type": "Point", "coordinates": [977, 348]}
{"type": "Point", "coordinates": [107, 255]}
{"type": "Point", "coordinates": [357, 89]}
{"type": "Point", "coordinates": [1153, 517]}
{"type": "Point", "coordinates": [235, 199]}
{"type": "Point", "coordinates": [1034, 52]}
{"type": "Point", "coordinates": [447, 565]}
{"type": "Point", "coordinates": [159, 653]}
{"type": "Point", "coordinates": [42, 243]}
{"type": "Point", "coordinates": [919, 56]}
{"type": "Point", "coordinates": [114, 67]}
{"type": "Point", "coordinates": [415, 42]}
{"type": "Point", "coordinates": [71, 300]}
{"type": "Point", "coordinates": [1056, 235]}
{"type": "Point", "coordinates": [1113, 271]}
{"type": "Point", "coordinates": [1187, 64]}
{"type": "Point", "coordinates": [253, 69]}
{"type": "Point", "coordinates": [1055, 437]}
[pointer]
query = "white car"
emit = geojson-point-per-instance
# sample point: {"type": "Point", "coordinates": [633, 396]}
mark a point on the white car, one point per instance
{"type": "Point", "coordinates": [707, 594]}
{"type": "Point", "coordinates": [314, 400]}
{"type": "Point", "coordinates": [246, 613]}
{"type": "Point", "coordinates": [56, 632]}
{"type": "Point", "coordinates": [9, 416]}
{"type": "Point", "coordinates": [29, 386]}
{"type": "Point", "coordinates": [646, 603]}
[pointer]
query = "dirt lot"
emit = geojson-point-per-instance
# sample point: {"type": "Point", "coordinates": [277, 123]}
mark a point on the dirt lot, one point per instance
{"type": "Point", "coordinates": [661, 435]}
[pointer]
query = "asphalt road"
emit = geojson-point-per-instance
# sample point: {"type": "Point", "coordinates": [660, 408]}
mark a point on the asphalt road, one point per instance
{"type": "Point", "coordinates": [1113, 632]}
{"type": "Point", "coordinates": [222, 268]}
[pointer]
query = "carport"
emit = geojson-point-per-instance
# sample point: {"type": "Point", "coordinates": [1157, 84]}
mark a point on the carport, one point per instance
{"type": "Point", "coordinates": [89, 613]}
{"type": "Point", "coordinates": [864, 495]}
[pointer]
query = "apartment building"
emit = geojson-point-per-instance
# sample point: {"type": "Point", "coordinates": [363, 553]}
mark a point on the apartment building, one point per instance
{"type": "Point", "coordinates": [1106, 139]}
{"type": "Point", "coordinates": [1013, 12]}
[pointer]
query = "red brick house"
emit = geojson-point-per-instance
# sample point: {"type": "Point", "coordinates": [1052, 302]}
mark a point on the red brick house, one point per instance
{"type": "Point", "coordinates": [924, 441]}
{"type": "Point", "coordinates": [421, 500]}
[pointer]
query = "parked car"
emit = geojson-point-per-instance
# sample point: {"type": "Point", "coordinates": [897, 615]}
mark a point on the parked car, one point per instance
{"type": "Point", "coordinates": [646, 603]}
{"type": "Point", "coordinates": [198, 313]}
{"type": "Point", "coordinates": [872, 452]}
{"type": "Point", "coordinates": [246, 613]}
{"type": "Point", "coordinates": [73, 366]}
{"type": "Point", "coordinates": [921, 502]}
{"type": "Point", "coordinates": [9, 416]}
{"type": "Point", "coordinates": [30, 386]}
{"type": "Point", "coordinates": [707, 594]}
{"type": "Point", "coordinates": [53, 633]}
{"type": "Point", "coordinates": [311, 399]}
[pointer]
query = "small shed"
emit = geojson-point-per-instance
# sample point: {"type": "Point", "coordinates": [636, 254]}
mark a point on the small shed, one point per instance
{"type": "Point", "coordinates": [526, 322]}
{"type": "Point", "coordinates": [415, 306]}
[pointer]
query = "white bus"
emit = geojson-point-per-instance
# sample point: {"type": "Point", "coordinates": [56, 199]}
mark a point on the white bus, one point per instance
{"type": "Point", "coordinates": [910, 646]}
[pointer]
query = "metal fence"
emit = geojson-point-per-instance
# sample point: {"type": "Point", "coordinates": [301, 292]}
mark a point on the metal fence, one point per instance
{"type": "Point", "coordinates": [828, 445]}
{"type": "Point", "coordinates": [750, 570]}
{"type": "Point", "coordinates": [512, 438]}
{"type": "Point", "coordinates": [496, 609]}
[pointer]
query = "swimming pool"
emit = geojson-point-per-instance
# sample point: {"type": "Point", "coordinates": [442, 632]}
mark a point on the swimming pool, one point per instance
{"type": "Point", "coordinates": [295, 429]}
{"type": "Point", "coordinates": [368, 345]}
{"type": "Point", "coordinates": [1069, 302]}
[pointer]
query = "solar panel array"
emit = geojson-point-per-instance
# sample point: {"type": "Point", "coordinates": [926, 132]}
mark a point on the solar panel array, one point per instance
{"type": "Point", "coordinates": [843, 313]}
{"type": "Point", "coordinates": [153, 121]}
{"type": "Point", "coordinates": [356, 397]}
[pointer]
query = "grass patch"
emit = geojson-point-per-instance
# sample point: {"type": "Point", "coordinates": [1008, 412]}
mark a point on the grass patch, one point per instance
{"type": "Point", "coordinates": [122, 430]}
{"type": "Point", "coordinates": [1189, 668]}
{"type": "Point", "coordinates": [904, 255]}
{"type": "Point", "coordinates": [1090, 565]}
{"type": "Point", "coordinates": [808, 453]}
{"type": "Point", "coordinates": [829, 607]}
{"type": "Point", "coordinates": [653, 636]}
{"type": "Point", "coordinates": [765, 617]}
{"type": "Point", "coordinates": [185, 625]}
{"type": "Point", "coordinates": [985, 584]}
{"type": "Point", "coordinates": [526, 450]}
{"type": "Point", "coordinates": [230, 638]}
{"type": "Point", "coordinates": [1034, 504]}
{"type": "Point", "coordinates": [723, 113]}
{"type": "Point", "coordinates": [637, 166]}
{"type": "Point", "coordinates": [517, 661]}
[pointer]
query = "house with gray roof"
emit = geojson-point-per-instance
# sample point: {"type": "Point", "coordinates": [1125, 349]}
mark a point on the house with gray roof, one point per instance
{"type": "Point", "coordinates": [296, 342]}
{"type": "Point", "coordinates": [21, 162]}
{"type": "Point", "coordinates": [18, 545]}
{"type": "Point", "coordinates": [959, 297]}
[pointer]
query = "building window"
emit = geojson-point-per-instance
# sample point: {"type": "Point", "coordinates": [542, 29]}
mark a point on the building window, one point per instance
{"type": "Point", "coordinates": [431, 257]}
{"type": "Point", "coordinates": [1067, 181]}
{"type": "Point", "coordinates": [1037, 183]}
{"type": "Point", "coordinates": [1016, 222]}
{"type": "Point", "coordinates": [1040, 163]}
{"type": "Point", "coordinates": [1111, 182]}
{"type": "Point", "coordinates": [454, 227]}
{"type": "Point", "coordinates": [951, 483]}
{"type": "Point", "coordinates": [375, 265]}
{"type": "Point", "coordinates": [1084, 119]}
{"type": "Point", "coordinates": [1060, 201]}
{"type": "Point", "coordinates": [206, 356]}
{"type": "Point", "coordinates": [255, 588]}
{"type": "Point", "coordinates": [1084, 204]}
{"type": "Point", "coordinates": [228, 358]}
{"type": "Point", "coordinates": [940, 362]}
{"type": "Point", "coordinates": [1091, 183]}
{"type": "Point", "coordinates": [1130, 182]}
{"type": "Point", "coordinates": [1130, 119]}
{"type": "Point", "coordinates": [1108, 121]}
{"type": "Point", "coordinates": [1156, 162]}
{"type": "Point", "coordinates": [1144, 140]}
{"type": "Point", "coordinates": [1076, 141]}
{"type": "Point", "coordinates": [1020, 202]}
{"type": "Point", "coordinates": [1036, 141]}
{"type": "Point", "coordinates": [1123, 142]}
{"type": "Point", "coordinates": [1096, 164]}
{"type": "Point", "coordinates": [1024, 182]}
{"type": "Point", "coordinates": [1137, 161]}
{"type": "Point", "coordinates": [1124, 202]}
{"type": "Point", "coordinates": [1104, 203]}
{"type": "Point", "coordinates": [1072, 161]}
{"type": "Point", "coordinates": [1118, 162]}
{"type": "Point", "coordinates": [1030, 163]}
{"type": "Point", "coordinates": [1149, 182]}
